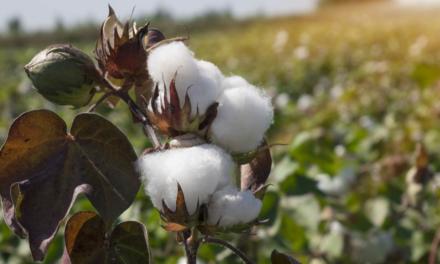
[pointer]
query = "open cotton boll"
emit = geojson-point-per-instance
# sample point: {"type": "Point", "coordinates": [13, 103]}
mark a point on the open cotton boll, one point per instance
{"type": "Point", "coordinates": [211, 71]}
{"type": "Point", "coordinates": [203, 93]}
{"type": "Point", "coordinates": [167, 60]}
{"type": "Point", "coordinates": [200, 170]}
{"type": "Point", "coordinates": [230, 207]}
{"type": "Point", "coordinates": [233, 81]}
{"type": "Point", "coordinates": [244, 114]}
{"type": "Point", "coordinates": [201, 79]}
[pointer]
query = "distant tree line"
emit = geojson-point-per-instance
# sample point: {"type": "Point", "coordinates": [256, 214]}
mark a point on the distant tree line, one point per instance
{"type": "Point", "coordinates": [87, 32]}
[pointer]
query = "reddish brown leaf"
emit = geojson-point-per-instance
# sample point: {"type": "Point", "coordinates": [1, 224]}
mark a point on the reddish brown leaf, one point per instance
{"type": "Point", "coordinates": [175, 227]}
{"type": "Point", "coordinates": [43, 169]}
{"type": "Point", "coordinates": [180, 215]}
{"type": "Point", "coordinates": [281, 258]}
{"type": "Point", "coordinates": [84, 238]}
{"type": "Point", "coordinates": [86, 241]}
{"type": "Point", "coordinates": [174, 119]}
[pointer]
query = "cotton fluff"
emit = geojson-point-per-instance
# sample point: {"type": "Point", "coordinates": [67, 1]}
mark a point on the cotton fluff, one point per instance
{"type": "Point", "coordinates": [244, 115]}
{"type": "Point", "coordinates": [201, 79]}
{"type": "Point", "coordinates": [230, 206]}
{"type": "Point", "coordinates": [167, 60]}
{"type": "Point", "coordinates": [209, 70]}
{"type": "Point", "coordinates": [200, 171]}
{"type": "Point", "coordinates": [233, 82]}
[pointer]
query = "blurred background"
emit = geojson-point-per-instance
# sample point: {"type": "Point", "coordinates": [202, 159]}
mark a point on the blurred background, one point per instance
{"type": "Point", "coordinates": [356, 90]}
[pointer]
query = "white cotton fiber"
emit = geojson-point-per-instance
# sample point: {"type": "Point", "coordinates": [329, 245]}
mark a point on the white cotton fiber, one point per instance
{"type": "Point", "coordinates": [203, 93]}
{"type": "Point", "coordinates": [201, 79]}
{"type": "Point", "coordinates": [200, 170]}
{"type": "Point", "coordinates": [211, 71]}
{"type": "Point", "coordinates": [167, 60]}
{"type": "Point", "coordinates": [233, 81]}
{"type": "Point", "coordinates": [230, 207]}
{"type": "Point", "coordinates": [244, 115]}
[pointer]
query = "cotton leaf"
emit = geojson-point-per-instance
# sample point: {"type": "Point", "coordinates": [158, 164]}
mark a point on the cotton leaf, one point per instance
{"type": "Point", "coordinates": [86, 241]}
{"type": "Point", "coordinates": [43, 169]}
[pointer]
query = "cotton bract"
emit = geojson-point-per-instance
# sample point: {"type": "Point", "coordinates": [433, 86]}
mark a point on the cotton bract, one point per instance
{"type": "Point", "coordinates": [244, 114]}
{"type": "Point", "coordinates": [230, 206]}
{"type": "Point", "coordinates": [200, 170]}
{"type": "Point", "coordinates": [201, 79]}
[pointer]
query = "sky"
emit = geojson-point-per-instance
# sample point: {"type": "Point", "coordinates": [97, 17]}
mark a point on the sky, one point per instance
{"type": "Point", "coordinates": [43, 14]}
{"type": "Point", "coordinates": [418, 2]}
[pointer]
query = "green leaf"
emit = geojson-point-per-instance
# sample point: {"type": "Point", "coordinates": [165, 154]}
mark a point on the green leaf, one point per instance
{"type": "Point", "coordinates": [43, 169]}
{"type": "Point", "coordinates": [377, 210]}
{"type": "Point", "coordinates": [426, 74]}
{"type": "Point", "coordinates": [332, 244]}
{"type": "Point", "coordinates": [280, 258]}
{"type": "Point", "coordinates": [129, 243]}
{"type": "Point", "coordinates": [86, 241]}
{"type": "Point", "coordinates": [269, 208]}
{"type": "Point", "coordinates": [304, 209]}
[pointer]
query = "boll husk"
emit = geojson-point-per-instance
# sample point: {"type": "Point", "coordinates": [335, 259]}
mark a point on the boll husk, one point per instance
{"type": "Point", "coordinates": [63, 75]}
{"type": "Point", "coordinates": [121, 48]}
{"type": "Point", "coordinates": [230, 207]}
{"type": "Point", "coordinates": [243, 116]}
{"type": "Point", "coordinates": [199, 170]}
{"type": "Point", "coordinates": [199, 79]}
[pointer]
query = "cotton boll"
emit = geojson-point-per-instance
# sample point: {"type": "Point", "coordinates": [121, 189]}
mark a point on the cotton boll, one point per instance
{"type": "Point", "coordinates": [229, 207]}
{"type": "Point", "coordinates": [200, 79]}
{"type": "Point", "coordinates": [211, 71]}
{"type": "Point", "coordinates": [244, 115]}
{"type": "Point", "coordinates": [233, 81]}
{"type": "Point", "coordinates": [203, 93]}
{"type": "Point", "coordinates": [199, 170]}
{"type": "Point", "coordinates": [167, 60]}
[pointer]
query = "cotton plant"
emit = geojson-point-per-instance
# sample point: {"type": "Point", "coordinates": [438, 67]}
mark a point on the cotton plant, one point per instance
{"type": "Point", "coordinates": [216, 158]}
{"type": "Point", "coordinates": [205, 173]}
{"type": "Point", "coordinates": [210, 175]}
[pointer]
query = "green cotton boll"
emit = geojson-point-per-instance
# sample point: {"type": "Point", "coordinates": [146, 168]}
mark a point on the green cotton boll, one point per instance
{"type": "Point", "coordinates": [63, 75]}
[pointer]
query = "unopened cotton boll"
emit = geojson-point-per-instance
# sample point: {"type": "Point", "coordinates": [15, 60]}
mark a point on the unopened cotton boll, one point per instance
{"type": "Point", "coordinates": [230, 206]}
{"type": "Point", "coordinates": [200, 171]}
{"type": "Point", "coordinates": [244, 114]}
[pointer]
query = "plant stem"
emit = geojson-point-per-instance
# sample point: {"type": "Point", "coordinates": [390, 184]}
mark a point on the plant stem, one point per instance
{"type": "Point", "coordinates": [100, 100]}
{"type": "Point", "coordinates": [191, 247]}
{"type": "Point", "coordinates": [434, 248]}
{"type": "Point", "coordinates": [134, 108]}
{"type": "Point", "coordinates": [238, 252]}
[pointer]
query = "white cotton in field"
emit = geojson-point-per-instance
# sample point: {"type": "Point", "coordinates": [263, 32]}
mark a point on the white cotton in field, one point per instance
{"type": "Point", "coordinates": [201, 79]}
{"type": "Point", "coordinates": [204, 92]}
{"type": "Point", "coordinates": [233, 81]}
{"type": "Point", "coordinates": [211, 71]}
{"type": "Point", "coordinates": [229, 207]}
{"type": "Point", "coordinates": [175, 58]}
{"type": "Point", "coordinates": [244, 114]}
{"type": "Point", "coordinates": [200, 171]}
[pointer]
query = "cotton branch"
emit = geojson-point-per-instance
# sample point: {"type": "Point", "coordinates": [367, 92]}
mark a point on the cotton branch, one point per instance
{"type": "Point", "coordinates": [134, 108]}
